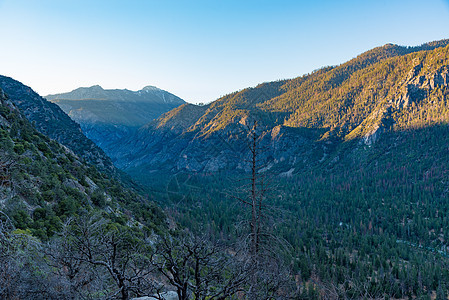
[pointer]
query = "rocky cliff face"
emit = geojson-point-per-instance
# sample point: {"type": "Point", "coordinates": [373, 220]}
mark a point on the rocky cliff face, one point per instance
{"type": "Point", "coordinates": [305, 122]}
{"type": "Point", "coordinates": [51, 121]}
{"type": "Point", "coordinates": [418, 89]}
{"type": "Point", "coordinates": [107, 116]}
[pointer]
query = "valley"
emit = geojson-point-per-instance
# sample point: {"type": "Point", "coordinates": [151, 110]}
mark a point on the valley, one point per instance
{"type": "Point", "coordinates": [331, 185]}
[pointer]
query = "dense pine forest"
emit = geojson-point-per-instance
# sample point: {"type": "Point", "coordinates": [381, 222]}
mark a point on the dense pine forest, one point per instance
{"type": "Point", "coordinates": [332, 185]}
{"type": "Point", "coordinates": [362, 232]}
{"type": "Point", "coordinates": [357, 160]}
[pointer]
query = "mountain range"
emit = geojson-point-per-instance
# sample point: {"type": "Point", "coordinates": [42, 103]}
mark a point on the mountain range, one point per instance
{"type": "Point", "coordinates": [352, 164]}
{"type": "Point", "coordinates": [107, 116]}
{"type": "Point", "coordinates": [310, 121]}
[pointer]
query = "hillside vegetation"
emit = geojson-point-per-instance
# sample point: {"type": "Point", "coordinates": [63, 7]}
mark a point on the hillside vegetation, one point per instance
{"type": "Point", "coordinates": [347, 168]}
{"type": "Point", "coordinates": [68, 231]}
{"type": "Point", "coordinates": [303, 121]}
{"type": "Point", "coordinates": [358, 160]}
{"type": "Point", "coordinates": [43, 183]}
{"type": "Point", "coordinates": [51, 121]}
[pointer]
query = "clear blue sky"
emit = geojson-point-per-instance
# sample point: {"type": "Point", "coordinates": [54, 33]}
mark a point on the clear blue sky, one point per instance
{"type": "Point", "coordinates": [199, 50]}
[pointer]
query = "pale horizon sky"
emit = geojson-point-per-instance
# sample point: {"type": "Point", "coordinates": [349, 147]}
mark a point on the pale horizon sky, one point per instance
{"type": "Point", "coordinates": [199, 50]}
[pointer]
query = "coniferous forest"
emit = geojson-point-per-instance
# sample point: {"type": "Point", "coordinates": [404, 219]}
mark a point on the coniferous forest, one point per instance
{"type": "Point", "coordinates": [332, 185]}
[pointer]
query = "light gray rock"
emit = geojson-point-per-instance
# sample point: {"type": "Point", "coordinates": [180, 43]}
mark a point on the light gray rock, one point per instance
{"type": "Point", "coordinates": [170, 295]}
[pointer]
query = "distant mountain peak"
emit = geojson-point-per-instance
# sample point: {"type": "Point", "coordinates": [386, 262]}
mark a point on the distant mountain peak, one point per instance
{"type": "Point", "coordinates": [93, 88]}
{"type": "Point", "coordinates": [106, 115]}
{"type": "Point", "coordinates": [96, 87]}
{"type": "Point", "coordinates": [150, 88]}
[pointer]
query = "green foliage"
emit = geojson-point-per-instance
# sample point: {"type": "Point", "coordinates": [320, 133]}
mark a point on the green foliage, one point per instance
{"type": "Point", "coordinates": [367, 221]}
{"type": "Point", "coordinates": [42, 146]}
{"type": "Point", "coordinates": [21, 219]}
{"type": "Point", "coordinates": [376, 219]}
{"type": "Point", "coordinates": [98, 199]}
{"type": "Point", "coordinates": [58, 185]}
{"type": "Point", "coordinates": [66, 207]}
{"type": "Point", "coordinates": [45, 223]}
{"type": "Point", "coordinates": [19, 148]}
{"type": "Point", "coordinates": [345, 101]}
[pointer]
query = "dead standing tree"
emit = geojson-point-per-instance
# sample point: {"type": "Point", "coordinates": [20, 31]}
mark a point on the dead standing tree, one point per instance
{"type": "Point", "coordinates": [199, 268]}
{"type": "Point", "coordinates": [254, 195]}
{"type": "Point", "coordinates": [115, 253]}
{"type": "Point", "coordinates": [267, 275]}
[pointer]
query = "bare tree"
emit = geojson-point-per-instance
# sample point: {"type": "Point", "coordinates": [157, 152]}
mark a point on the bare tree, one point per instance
{"type": "Point", "coordinates": [269, 276]}
{"type": "Point", "coordinates": [23, 272]}
{"type": "Point", "coordinates": [254, 194]}
{"type": "Point", "coordinates": [200, 269]}
{"type": "Point", "coordinates": [115, 252]}
{"type": "Point", "coordinates": [77, 276]}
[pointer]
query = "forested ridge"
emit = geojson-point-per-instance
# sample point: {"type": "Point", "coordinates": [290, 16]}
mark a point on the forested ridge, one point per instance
{"type": "Point", "coordinates": [68, 231]}
{"type": "Point", "coordinates": [332, 185]}
{"type": "Point", "coordinates": [358, 157]}
{"type": "Point", "coordinates": [390, 88]}
{"type": "Point", "coordinates": [368, 231]}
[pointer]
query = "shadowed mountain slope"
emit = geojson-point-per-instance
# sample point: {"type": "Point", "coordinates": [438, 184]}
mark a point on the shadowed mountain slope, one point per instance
{"type": "Point", "coordinates": [303, 122]}
{"type": "Point", "coordinates": [107, 116]}
{"type": "Point", "coordinates": [51, 121]}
